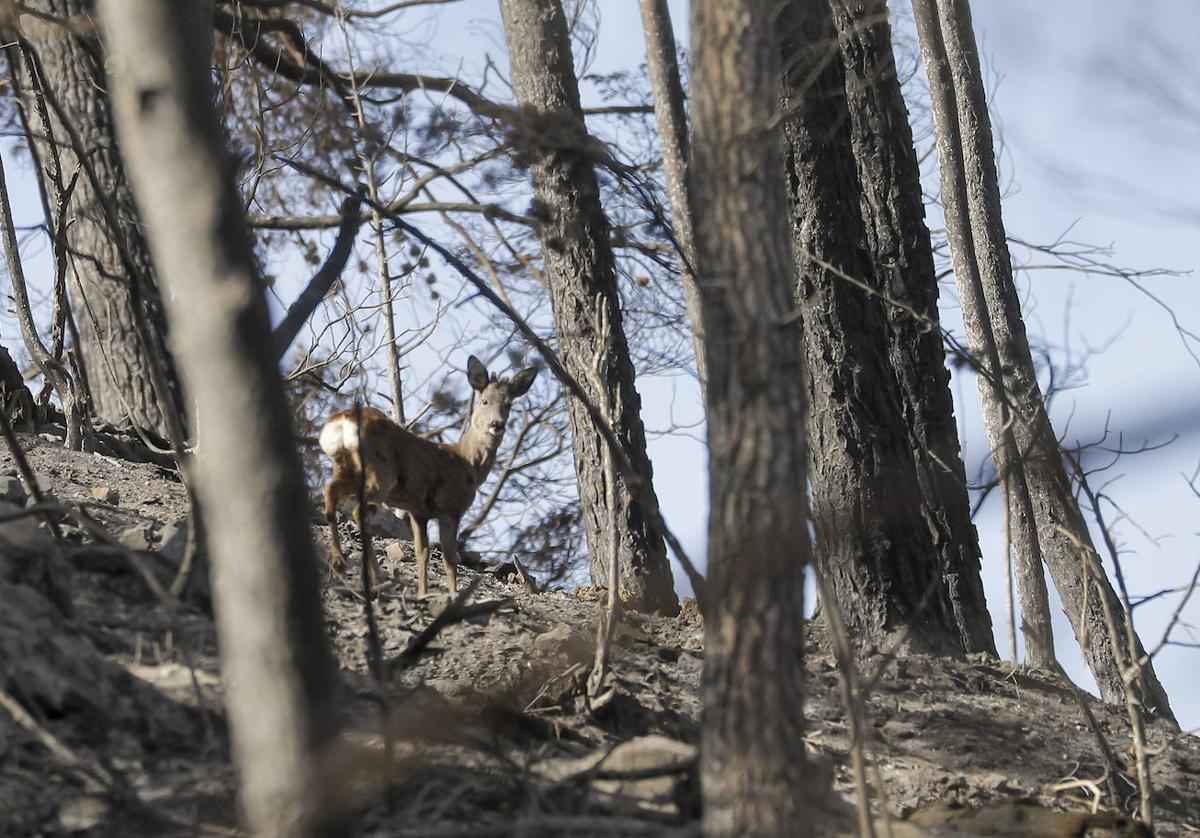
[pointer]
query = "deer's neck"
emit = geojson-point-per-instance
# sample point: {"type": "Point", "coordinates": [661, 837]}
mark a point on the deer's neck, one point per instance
{"type": "Point", "coordinates": [479, 450]}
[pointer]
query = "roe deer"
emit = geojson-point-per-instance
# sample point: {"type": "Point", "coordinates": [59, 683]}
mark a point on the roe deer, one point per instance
{"type": "Point", "coordinates": [423, 478]}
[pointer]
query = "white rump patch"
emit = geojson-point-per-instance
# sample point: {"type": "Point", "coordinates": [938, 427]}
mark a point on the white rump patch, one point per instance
{"type": "Point", "coordinates": [339, 435]}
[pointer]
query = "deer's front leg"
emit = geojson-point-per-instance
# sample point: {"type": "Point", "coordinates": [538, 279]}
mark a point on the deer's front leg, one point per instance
{"type": "Point", "coordinates": [448, 535]}
{"type": "Point", "coordinates": [421, 548]}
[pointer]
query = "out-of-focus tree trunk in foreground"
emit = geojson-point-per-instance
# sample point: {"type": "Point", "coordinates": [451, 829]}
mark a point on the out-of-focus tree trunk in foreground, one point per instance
{"type": "Point", "coordinates": [274, 655]}
{"type": "Point", "coordinates": [752, 769]}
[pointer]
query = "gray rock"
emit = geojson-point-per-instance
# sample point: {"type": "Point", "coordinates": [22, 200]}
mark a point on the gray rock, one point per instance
{"type": "Point", "coordinates": [106, 494]}
{"type": "Point", "coordinates": [137, 536]}
{"type": "Point", "coordinates": [12, 490]}
{"type": "Point", "coordinates": [81, 814]}
{"type": "Point", "coordinates": [19, 532]}
{"type": "Point", "coordinates": [621, 776]}
{"type": "Point", "coordinates": [172, 540]}
{"type": "Point", "coordinates": [565, 643]}
{"type": "Point", "coordinates": [386, 524]}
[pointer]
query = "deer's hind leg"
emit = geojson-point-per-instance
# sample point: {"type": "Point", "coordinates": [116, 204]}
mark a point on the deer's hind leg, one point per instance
{"type": "Point", "coordinates": [420, 533]}
{"type": "Point", "coordinates": [367, 492]}
{"type": "Point", "coordinates": [340, 487]}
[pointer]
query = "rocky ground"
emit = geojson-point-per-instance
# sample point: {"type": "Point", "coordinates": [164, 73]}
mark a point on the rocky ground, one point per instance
{"type": "Point", "coordinates": [111, 722]}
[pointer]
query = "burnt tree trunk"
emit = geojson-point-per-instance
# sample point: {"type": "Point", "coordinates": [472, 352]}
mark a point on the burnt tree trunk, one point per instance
{"type": "Point", "coordinates": [1021, 532]}
{"type": "Point", "coordinates": [275, 661]}
{"type": "Point", "coordinates": [671, 116]}
{"type": "Point", "coordinates": [581, 273]}
{"type": "Point", "coordinates": [893, 212]}
{"type": "Point", "coordinates": [872, 542]}
{"type": "Point", "coordinates": [1018, 426]}
{"type": "Point", "coordinates": [753, 774]}
{"type": "Point", "coordinates": [112, 287]}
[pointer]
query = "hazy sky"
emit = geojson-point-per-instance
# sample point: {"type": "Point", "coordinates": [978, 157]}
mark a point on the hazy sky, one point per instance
{"type": "Point", "coordinates": [1098, 142]}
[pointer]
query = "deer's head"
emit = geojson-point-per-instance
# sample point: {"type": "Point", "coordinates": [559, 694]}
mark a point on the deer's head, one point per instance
{"type": "Point", "coordinates": [494, 396]}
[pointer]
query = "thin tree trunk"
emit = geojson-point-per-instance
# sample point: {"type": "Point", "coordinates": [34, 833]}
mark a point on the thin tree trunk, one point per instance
{"type": "Point", "coordinates": [1036, 625]}
{"type": "Point", "coordinates": [872, 542]}
{"type": "Point", "coordinates": [893, 211]}
{"type": "Point", "coordinates": [54, 370]}
{"type": "Point", "coordinates": [1019, 426]}
{"type": "Point", "coordinates": [671, 116]}
{"type": "Point", "coordinates": [753, 773]}
{"type": "Point", "coordinates": [367, 151]}
{"type": "Point", "coordinates": [581, 272]}
{"type": "Point", "coordinates": [275, 660]}
{"type": "Point", "coordinates": [109, 306]}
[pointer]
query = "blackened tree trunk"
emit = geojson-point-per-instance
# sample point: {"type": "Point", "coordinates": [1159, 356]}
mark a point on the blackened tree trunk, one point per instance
{"type": "Point", "coordinates": [1019, 427]}
{"type": "Point", "coordinates": [753, 774]}
{"type": "Point", "coordinates": [872, 542]}
{"type": "Point", "coordinates": [581, 272]}
{"type": "Point", "coordinates": [104, 276]}
{"type": "Point", "coordinates": [275, 661]}
{"type": "Point", "coordinates": [671, 116]}
{"type": "Point", "coordinates": [898, 241]}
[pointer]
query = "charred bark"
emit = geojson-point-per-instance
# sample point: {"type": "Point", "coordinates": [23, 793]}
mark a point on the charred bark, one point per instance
{"type": "Point", "coordinates": [1024, 442]}
{"type": "Point", "coordinates": [581, 274]}
{"type": "Point", "coordinates": [901, 253]}
{"type": "Point", "coordinates": [753, 771]}
{"type": "Point", "coordinates": [872, 542]}
{"type": "Point", "coordinates": [111, 274]}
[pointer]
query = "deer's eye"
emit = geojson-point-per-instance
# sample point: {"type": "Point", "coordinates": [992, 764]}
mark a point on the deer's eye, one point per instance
{"type": "Point", "coordinates": [483, 401]}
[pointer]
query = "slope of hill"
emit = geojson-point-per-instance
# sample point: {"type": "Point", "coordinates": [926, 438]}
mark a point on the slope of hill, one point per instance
{"type": "Point", "coordinates": [111, 721]}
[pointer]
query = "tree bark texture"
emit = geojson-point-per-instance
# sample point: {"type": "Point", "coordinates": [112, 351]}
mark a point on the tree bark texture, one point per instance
{"type": "Point", "coordinates": [893, 213]}
{"type": "Point", "coordinates": [872, 542]}
{"type": "Point", "coordinates": [104, 294]}
{"type": "Point", "coordinates": [276, 666]}
{"type": "Point", "coordinates": [671, 115]}
{"type": "Point", "coordinates": [1021, 532]}
{"type": "Point", "coordinates": [983, 271]}
{"type": "Point", "coordinates": [54, 370]}
{"type": "Point", "coordinates": [581, 272]}
{"type": "Point", "coordinates": [752, 760]}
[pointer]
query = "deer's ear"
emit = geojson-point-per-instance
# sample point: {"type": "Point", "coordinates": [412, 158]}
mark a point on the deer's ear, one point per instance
{"type": "Point", "coordinates": [477, 374]}
{"type": "Point", "coordinates": [523, 381]}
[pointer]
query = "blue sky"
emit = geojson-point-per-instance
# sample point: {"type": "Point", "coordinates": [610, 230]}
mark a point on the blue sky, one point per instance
{"type": "Point", "coordinates": [1084, 151]}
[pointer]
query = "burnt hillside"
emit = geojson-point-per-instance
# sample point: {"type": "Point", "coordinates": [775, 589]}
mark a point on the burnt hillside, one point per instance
{"type": "Point", "coordinates": [112, 723]}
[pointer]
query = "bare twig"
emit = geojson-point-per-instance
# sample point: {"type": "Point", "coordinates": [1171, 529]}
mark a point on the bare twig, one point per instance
{"type": "Point", "coordinates": [610, 407]}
